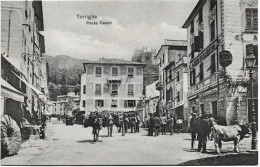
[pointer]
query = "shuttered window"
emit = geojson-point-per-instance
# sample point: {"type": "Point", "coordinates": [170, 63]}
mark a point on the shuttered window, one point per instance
{"type": "Point", "coordinates": [212, 30]}
{"type": "Point", "coordinates": [192, 77]}
{"type": "Point", "coordinates": [98, 89]}
{"type": "Point", "coordinates": [251, 18]}
{"type": "Point", "coordinates": [192, 26]}
{"type": "Point", "coordinates": [213, 64]}
{"type": "Point", "coordinates": [201, 72]}
{"type": "Point", "coordinates": [83, 103]}
{"type": "Point", "coordinates": [130, 72]}
{"type": "Point", "coordinates": [114, 89]}
{"type": "Point", "coordinates": [114, 71]}
{"type": "Point", "coordinates": [130, 89]}
{"type": "Point", "coordinates": [84, 89]}
{"type": "Point", "coordinates": [99, 103]}
{"type": "Point", "coordinates": [114, 103]}
{"type": "Point", "coordinates": [129, 103]}
{"type": "Point", "coordinates": [98, 71]}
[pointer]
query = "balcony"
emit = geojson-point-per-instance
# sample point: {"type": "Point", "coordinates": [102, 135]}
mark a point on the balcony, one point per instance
{"type": "Point", "coordinates": [159, 86]}
{"type": "Point", "coordinates": [114, 78]}
{"type": "Point", "coordinates": [204, 85]}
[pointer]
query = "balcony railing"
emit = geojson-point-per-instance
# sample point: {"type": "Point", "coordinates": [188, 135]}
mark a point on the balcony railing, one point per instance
{"type": "Point", "coordinates": [114, 78]}
{"type": "Point", "coordinates": [211, 80]}
{"type": "Point", "coordinates": [159, 86]}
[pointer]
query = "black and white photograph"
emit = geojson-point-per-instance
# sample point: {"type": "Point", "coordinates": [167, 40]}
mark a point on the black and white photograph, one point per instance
{"type": "Point", "coordinates": [129, 83]}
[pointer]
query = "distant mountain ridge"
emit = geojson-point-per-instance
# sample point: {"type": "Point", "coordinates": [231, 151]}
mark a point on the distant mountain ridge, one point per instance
{"type": "Point", "coordinates": [65, 62]}
{"type": "Point", "coordinates": [65, 70]}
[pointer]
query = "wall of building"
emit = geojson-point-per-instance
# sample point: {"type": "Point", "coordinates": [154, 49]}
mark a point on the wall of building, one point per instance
{"type": "Point", "coordinates": [89, 80]}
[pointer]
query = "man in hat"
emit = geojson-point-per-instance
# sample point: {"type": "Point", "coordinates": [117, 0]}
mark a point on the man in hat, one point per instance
{"type": "Point", "coordinates": [193, 129]}
{"type": "Point", "coordinates": [171, 123]}
{"type": "Point", "coordinates": [157, 122]}
{"type": "Point", "coordinates": [151, 125]}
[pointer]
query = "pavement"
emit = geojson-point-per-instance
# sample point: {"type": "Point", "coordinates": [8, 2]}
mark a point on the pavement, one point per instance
{"type": "Point", "coordinates": [73, 145]}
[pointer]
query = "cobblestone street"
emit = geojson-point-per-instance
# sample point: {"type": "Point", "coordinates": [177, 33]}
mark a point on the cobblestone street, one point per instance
{"type": "Point", "coordinates": [73, 145]}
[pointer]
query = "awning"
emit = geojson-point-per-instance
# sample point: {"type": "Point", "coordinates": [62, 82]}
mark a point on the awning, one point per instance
{"type": "Point", "coordinates": [193, 97]}
{"type": "Point", "coordinates": [9, 91]}
{"type": "Point", "coordinates": [30, 86]}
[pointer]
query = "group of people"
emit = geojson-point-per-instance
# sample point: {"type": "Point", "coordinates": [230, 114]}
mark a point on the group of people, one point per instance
{"type": "Point", "coordinates": [155, 123]}
{"type": "Point", "coordinates": [131, 122]}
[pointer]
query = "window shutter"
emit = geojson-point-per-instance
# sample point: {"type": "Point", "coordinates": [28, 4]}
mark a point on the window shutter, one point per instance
{"type": "Point", "coordinates": [249, 49]}
{"type": "Point", "coordinates": [125, 103]}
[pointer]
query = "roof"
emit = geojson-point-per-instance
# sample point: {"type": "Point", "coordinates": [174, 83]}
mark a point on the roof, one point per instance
{"type": "Point", "coordinates": [168, 42]}
{"type": "Point", "coordinates": [193, 13]}
{"type": "Point", "coordinates": [114, 62]}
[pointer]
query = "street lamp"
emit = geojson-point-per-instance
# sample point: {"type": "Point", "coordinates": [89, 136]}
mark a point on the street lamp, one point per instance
{"type": "Point", "coordinates": [250, 63]}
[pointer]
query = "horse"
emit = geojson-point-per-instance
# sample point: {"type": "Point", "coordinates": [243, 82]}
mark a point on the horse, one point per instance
{"type": "Point", "coordinates": [97, 125]}
{"type": "Point", "coordinates": [228, 133]}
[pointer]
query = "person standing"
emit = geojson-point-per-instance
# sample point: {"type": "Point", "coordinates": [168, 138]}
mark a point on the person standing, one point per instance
{"type": "Point", "coordinates": [163, 124]}
{"type": "Point", "coordinates": [151, 125]}
{"type": "Point", "coordinates": [193, 129]}
{"type": "Point", "coordinates": [157, 125]}
{"type": "Point", "coordinates": [137, 123]}
{"type": "Point", "coordinates": [171, 124]}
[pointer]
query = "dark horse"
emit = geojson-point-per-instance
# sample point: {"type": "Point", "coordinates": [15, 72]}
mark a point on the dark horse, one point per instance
{"type": "Point", "coordinates": [97, 127]}
{"type": "Point", "coordinates": [95, 121]}
{"type": "Point", "coordinates": [202, 126]}
{"type": "Point", "coordinates": [117, 122]}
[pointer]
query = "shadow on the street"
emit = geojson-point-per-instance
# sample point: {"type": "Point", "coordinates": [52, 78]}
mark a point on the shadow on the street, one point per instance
{"type": "Point", "coordinates": [231, 159]}
{"type": "Point", "coordinates": [209, 151]}
{"type": "Point", "coordinates": [89, 141]}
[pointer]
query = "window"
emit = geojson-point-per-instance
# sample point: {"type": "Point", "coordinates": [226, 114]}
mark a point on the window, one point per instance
{"type": "Point", "coordinates": [98, 71]}
{"type": "Point", "coordinates": [114, 103]}
{"type": "Point", "coordinates": [170, 75]}
{"type": "Point", "coordinates": [130, 89]}
{"type": "Point", "coordinates": [213, 64]}
{"type": "Point", "coordinates": [168, 94]}
{"type": "Point", "coordinates": [129, 103]}
{"type": "Point", "coordinates": [114, 71]}
{"type": "Point", "coordinates": [98, 89]}
{"type": "Point", "coordinates": [200, 16]}
{"type": "Point", "coordinates": [99, 103]}
{"type": "Point", "coordinates": [178, 76]}
{"type": "Point", "coordinates": [83, 103]}
{"type": "Point", "coordinates": [192, 77]}
{"type": "Point", "coordinates": [60, 109]}
{"type": "Point", "coordinates": [130, 72]}
{"type": "Point", "coordinates": [202, 109]}
{"type": "Point", "coordinates": [212, 30]}
{"type": "Point", "coordinates": [201, 71]}
{"type": "Point", "coordinates": [178, 96]}
{"type": "Point", "coordinates": [84, 89]}
{"type": "Point", "coordinates": [114, 89]}
{"type": "Point", "coordinates": [213, 3]}
{"type": "Point", "coordinates": [252, 49]}
{"type": "Point", "coordinates": [163, 58]}
{"type": "Point", "coordinates": [251, 18]}
{"type": "Point", "coordinates": [192, 26]}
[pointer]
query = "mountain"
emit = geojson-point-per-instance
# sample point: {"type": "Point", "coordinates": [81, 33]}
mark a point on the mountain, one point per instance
{"type": "Point", "coordinates": [65, 70]}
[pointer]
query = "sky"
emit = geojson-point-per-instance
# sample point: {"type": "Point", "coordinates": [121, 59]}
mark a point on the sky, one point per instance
{"type": "Point", "coordinates": [135, 24]}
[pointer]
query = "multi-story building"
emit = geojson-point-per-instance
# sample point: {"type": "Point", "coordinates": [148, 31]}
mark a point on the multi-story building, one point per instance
{"type": "Point", "coordinates": [22, 46]}
{"type": "Point", "coordinates": [112, 85]}
{"type": "Point", "coordinates": [59, 107]}
{"type": "Point", "coordinates": [214, 26]}
{"type": "Point", "coordinates": [172, 58]}
{"type": "Point", "coordinates": [151, 99]}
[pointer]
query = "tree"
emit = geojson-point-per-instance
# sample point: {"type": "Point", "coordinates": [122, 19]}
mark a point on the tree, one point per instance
{"type": "Point", "coordinates": [64, 90]}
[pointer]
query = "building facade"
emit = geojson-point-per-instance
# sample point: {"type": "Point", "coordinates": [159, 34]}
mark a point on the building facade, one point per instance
{"type": "Point", "coordinates": [23, 46]}
{"type": "Point", "coordinates": [214, 26]}
{"type": "Point", "coordinates": [172, 62]}
{"type": "Point", "coordinates": [151, 99]}
{"type": "Point", "coordinates": [112, 85]}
